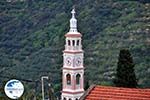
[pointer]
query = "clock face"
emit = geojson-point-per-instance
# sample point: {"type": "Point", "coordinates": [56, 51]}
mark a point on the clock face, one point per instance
{"type": "Point", "coordinates": [78, 61]}
{"type": "Point", "coordinates": [68, 61]}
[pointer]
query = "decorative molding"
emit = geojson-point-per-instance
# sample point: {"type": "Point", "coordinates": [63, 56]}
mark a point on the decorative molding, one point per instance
{"type": "Point", "coordinates": [69, 34]}
{"type": "Point", "coordinates": [73, 68]}
{"type": "Point", "coordinates": [72, 52]}
{"type": "Point", "coordinates": [76, 92]}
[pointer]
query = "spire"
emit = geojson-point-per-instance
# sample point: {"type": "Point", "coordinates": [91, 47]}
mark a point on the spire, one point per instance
{"type": "Point", "coordinates": [73, 22]}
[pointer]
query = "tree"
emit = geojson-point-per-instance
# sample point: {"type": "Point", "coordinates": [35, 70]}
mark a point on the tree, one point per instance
{"type": "Point", "coordinates": [2, 92]}
{"type": "Point", "coordinates": [87, 85]}
{"type": "Point", "coordinates": [125, 76]}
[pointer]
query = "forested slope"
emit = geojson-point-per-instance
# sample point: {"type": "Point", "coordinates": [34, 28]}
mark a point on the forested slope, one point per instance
{"type": "Point", "coordinates": [32, 38]}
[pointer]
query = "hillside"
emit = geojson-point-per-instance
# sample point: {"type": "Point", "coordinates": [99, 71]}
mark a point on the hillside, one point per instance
{"type": "Point", "coordinates": [32, 38]}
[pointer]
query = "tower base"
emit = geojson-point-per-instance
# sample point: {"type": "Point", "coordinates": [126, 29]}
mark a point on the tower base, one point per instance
{"type": "Point", "coordinates": [71, 96]}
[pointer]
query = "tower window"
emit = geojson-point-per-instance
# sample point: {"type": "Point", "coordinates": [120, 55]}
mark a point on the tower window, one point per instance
{"type": "Point", "coordinates": [76, 98]}
{"type": "Point", "coordinates": [73, 42]}
{"type": "Point", "coordinates": [69, 98]}
{"type": "Point", "coordinates": [65, 99]}
{"type": "Point", "coordinates": [78, 79]}
{"type": "Point", "coordinates": [69, 43]}
{"type": "Point", "coordinates": [68, 77]}
{"type": "Point", "coordinates": [77, 42]}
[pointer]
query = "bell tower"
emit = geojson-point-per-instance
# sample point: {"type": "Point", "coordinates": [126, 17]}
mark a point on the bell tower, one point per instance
{"type": "Point", "coordinates": [73, 69]}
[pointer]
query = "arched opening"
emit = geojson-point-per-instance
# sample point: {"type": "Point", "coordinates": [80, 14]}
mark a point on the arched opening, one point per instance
{"type": "Point", "coordinates": [76, 98]}
{"type": "Point", "coordinates": [78, 42]}
{"type": "Point", "coordinates": [78, 79]}
{"type": "Point", "coordinates": [73, 42]}
{"type": "Point", "coordinates": [68, 77]}
{"type": "Point", "coordinates": [69, 43]}
{"type": "Point", "coordinates": [69, 98]}
{"type": "Point", "coordinates": [64, 98]}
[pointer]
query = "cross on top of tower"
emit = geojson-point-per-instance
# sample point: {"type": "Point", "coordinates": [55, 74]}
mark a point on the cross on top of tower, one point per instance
{"type": "Point", "coordinates": [73, 13]}
{"type": "Point", "coordinates": [73, 22]}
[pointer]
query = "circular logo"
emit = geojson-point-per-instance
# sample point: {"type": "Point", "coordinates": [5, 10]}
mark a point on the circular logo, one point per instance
{"type": "Point", "coordinates": [14, 89]}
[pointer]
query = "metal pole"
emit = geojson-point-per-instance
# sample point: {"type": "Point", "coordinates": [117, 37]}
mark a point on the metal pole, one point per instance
{"type": "Point", "coordinates": [42, 78]}
{"type": "Point", "coordinates": [42, 89]}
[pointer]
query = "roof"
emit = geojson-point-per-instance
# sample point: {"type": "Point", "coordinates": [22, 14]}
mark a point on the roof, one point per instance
{"type": "Point", "coordinates": [115, 93]}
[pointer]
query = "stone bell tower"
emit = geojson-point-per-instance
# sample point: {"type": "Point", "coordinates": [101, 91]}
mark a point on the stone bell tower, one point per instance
{"type": "Point", "coordinates": [73, 69]}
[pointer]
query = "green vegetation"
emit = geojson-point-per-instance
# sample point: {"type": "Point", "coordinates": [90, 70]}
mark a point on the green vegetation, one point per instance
{"type": "Point", "coordinates": [125, 76]}
{"type": "Point", "coordinates": [32, 38]}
